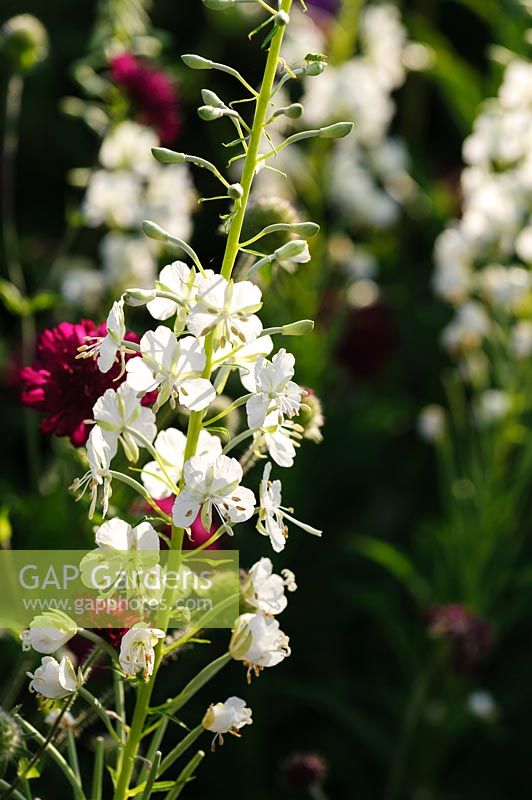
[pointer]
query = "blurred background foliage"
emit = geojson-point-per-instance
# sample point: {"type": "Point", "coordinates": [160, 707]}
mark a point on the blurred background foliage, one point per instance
{"type": "Point", "coordinates": [367, 688]}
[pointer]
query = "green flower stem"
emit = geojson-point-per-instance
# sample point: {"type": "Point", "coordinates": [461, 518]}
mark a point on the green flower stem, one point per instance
{"type": "Point", "coordinates": [158, 736]}
{"type": "Point", "coordinates": [119, 476]}
{"type": "Point", "coordinates": [252, 154]}
{"type": "Point", "coordinates": [97, 777]}
{"type": "Point", "coordinates": [73, 754]}
{"type": "Point", "coordinates": [196, 417]}
{"type": "Point", "coordinates": [102, 644]}
{"type": "Point", "coordinates": [226, 411]}
{"type": "Point", "coordinates": [13, 106]}
{"type": "Point", "coordinates": [194, 685]}
{"type": "Point", "coordinates": [16, 795]}
{"type": "Point", "coordinates": [155, 455]}
{"type": "Point", "coordinates": [185, 775]}
{"type": "Point", "coordinates": [180, 748]}
{"type": "Point", "coordinates": [100, 711]}
{"type": "Point", "coordinates": [47, 747]}
{"type": "Point", "coordinates": [152, 775]}
{"type": "Point", "coordinates": [236, 441]}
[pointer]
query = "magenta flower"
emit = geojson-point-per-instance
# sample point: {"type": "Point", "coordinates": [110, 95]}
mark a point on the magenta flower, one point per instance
{"type": "Point", "coordinates": [199, 534]}
{"type": "Point", "coordinates": [469, 637]}
{"type": "Point", "coordinates": [63, 387]}
{"type": "Point", "coordinates": [151, 92]}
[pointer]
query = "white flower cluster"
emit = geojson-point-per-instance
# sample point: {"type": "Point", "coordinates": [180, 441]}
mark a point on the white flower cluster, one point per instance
{"type": "Point", "coordinates": [483, 260]}
{"type": "Point", "coordinates": [369, 178]}
{"type": "Point", "coordinates": [127, 187]}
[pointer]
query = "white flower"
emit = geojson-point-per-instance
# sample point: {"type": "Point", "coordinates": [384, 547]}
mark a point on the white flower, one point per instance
{"type": "Point", "coordinates": [81, 285]}
{"type": "Point", "coordinates": [274, 390]}
{"type": "Point", "coordinates": [170, 198]}
{"type": "Point", "coordinates": [128, 146]}
{"type": "Point", "coordinates": [482, 705]}
{"type": "Point", "coordinates": [264, 590]}
{"type": "Point", "coordinates": [179, 280]}
{"type": "Point", "coordinates": [504, 287]}
{"type": "Point", "coordinates": [170, 446]}
{"type": "Point", "coordinates": [67, 720]}
{"type": "Point", "coordinates": [55, 679]}
{"type": "Point", "coordinates": [175, 366]}
{"type": "Point", "coordinates": [272, 514]}
{"type": "Point", "coordinates": [113, 198]}
{"type": "Point", "coordinates": [116, 534]}
{"type": "Point", "coordinates": [492, 405]}
{"type": "Point", "coordinates": [44, 637]}
{"type": "Point", "coordinates": [121, 416]}
{"type": "Point", "coordinates": [127, 261]}
{"type": "Point", "coordinates": [259, 642]}
{"type": "Point", "coordinates": [431, 423]}
{"type": "Point", "coordinates": [521, 339]}
{"type": "Point", "coordinates": [213, 484]}
{"type": "Point", "coordinates": [467, 330]}
{"type": "Point", "coordinates": [226, 309]}
{"type": "Point", "coordinates": [137, 652]}
{"type": "Point", "coordinates": [99, 454]}
{"type": "Point", "coordinates": [227, 717]}
{"type": "Point", "coordinates": [289, 260]}
{"type": "Point", "coordinates": [280, 439]}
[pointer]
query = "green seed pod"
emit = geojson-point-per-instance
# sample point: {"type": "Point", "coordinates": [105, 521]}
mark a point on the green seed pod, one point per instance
{"type": "Point", "coordinates": [10, 737]}
{"type": "Point", "coordinates": [265, 211]}
{"type": "Point", "coordinates": [24, 42]}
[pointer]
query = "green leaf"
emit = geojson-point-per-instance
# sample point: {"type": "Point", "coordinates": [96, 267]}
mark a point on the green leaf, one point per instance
{"type": "Point", "coordinates": [12, 298]}
{"type": "Point", "coordinates": [43, 301]}
{"type": "Point", "coordinates": [461, 85]}
{"type": "Point", "coordinates": [397, 564]}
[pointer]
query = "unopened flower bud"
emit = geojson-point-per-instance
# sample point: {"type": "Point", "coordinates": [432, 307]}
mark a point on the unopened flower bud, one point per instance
{"type": "Point", "coordinates": [24, 41]}
{"type": "Point", "coordinates": [301, 328]}
{"type": "Point", "coordinates": [291, 250]}
{"type": "Point", "coordinates": [305, 229]}
{"type": "Point", "coordinates": [316, 64]}
{"type": "Point", "coordinates": [165, 156]}
{"type": "Point", "coordinates": [336, 131]}
{"type": "Point", "coordinates": [139, 297]}
{"type": "Point", "coordinates": [235, 191]}
{"type": "Point", "coordinates": [293, 111]}
{"type": "Point", "coordinates": [196, 62]}
{"type": "Point", "coordinates": [153, 230]}
{"type": "Point", "coordinates": [211, 99]}
{"type": "Point", "coordinates": [265, 211]}
{"type": "Point", "coordinates": [210, 113]}
{"type": "Point", "coordinates": [282, 19]}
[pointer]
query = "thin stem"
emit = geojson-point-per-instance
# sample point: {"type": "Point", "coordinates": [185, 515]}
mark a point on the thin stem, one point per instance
{"type": "Point", "coordinates": [100, 711]}
{"type": "Point", "coordinates": [119, 476]}
{"type": "Point", "coordinates": [73, 754]}
{"type": "Point", "coordinates": [97, 778]}
{"type": "Point", "coordinates": [158, 736]}
{"type": "Point", "coordinates": [180, 748]}
{"type": "Point", "coordinates": [102, 644]}
{"type": "Point", "coordinates": [226, 411]}
{"type": "Point", "coordinates": [15, 88]}
{"type": "Point", "coordinates": [250, 163]}
{"type": "Point", "coordinates": [236, 441]}
{"type": "Point", "coordinates": [47, 747]}
{"type": "Point", "coordinates": [152, 775]}
{"type": "Point", "coordinates": [186, 775]}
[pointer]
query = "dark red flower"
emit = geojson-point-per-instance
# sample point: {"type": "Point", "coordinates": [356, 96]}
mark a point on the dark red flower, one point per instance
{"type": "Point", "coordinates": [63, 387]}
{"type": "Point", "coordinates": [469, 637]}
{"type": "Point", "coordinates": [152, 93]}
{"type": "Point", "coordinates": [304, 770]}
